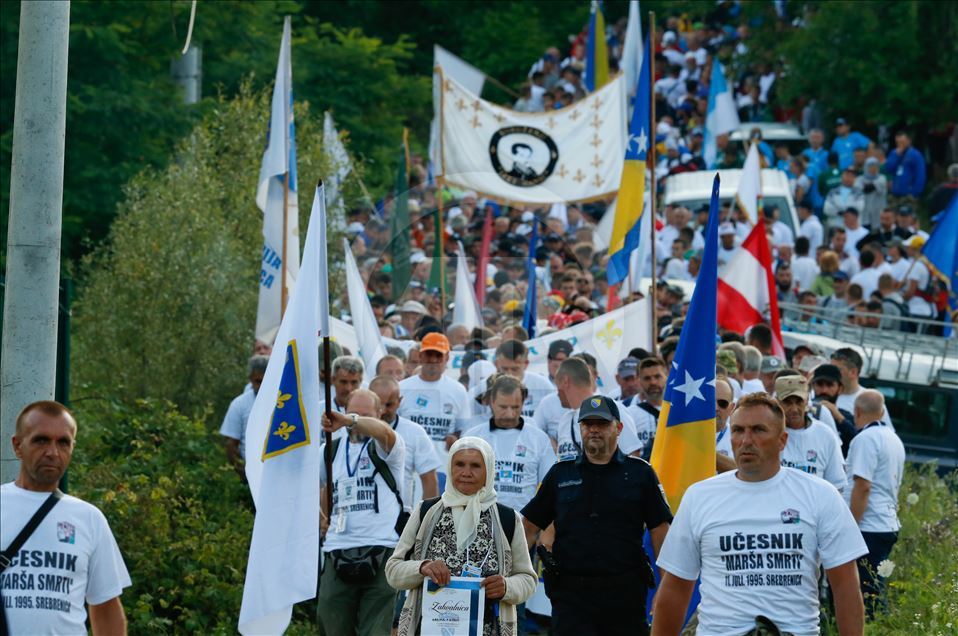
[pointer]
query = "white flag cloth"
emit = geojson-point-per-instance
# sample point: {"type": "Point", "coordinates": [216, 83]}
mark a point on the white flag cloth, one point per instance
{"type": "Point", "coordinates": [632, 49]}
{"type": "Point", "coordinates": [640, 261]}
{"type": "Point", "coordinates": [466, 312]}
{"type": "Point", "coordinates": [750, 185]}
{"type": "Point", "coordinates": [367, 333]}
{"type": "Point", "coordinates": [341, 166]}
{"type": "Point", "coordinates": [463, 72]}
{"type": "Point", "coordinates": [721, 117]}
{"type": "Point", "coordinates": [609, 338]}
{"type": "Point", "coordinates": [283, 461]}
{"type": "Point", "coordinates": [279, 158]}
{"type": "Point", "coordinates": [571, 154]}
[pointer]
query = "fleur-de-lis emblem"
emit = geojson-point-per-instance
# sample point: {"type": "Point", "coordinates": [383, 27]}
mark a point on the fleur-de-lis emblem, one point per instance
{"type": "Point", "coordinates": [610, 334]}
{"type": "Point", "coordinates": [282, 399]}
{"type": "Point", "coordinates": [284, 431]}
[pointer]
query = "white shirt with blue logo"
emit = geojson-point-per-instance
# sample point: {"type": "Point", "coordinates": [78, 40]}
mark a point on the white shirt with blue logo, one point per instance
{"type": "Point", "coordinates": [69, 560]}
{"type": "Point", "coordinates": [570, 435]}
{"type": "Point", "coordinates": [817, 451]}
{"type": "Point", "coordinates": [523, 457]}
{"type": "Point", "coordinates": [440, 407]}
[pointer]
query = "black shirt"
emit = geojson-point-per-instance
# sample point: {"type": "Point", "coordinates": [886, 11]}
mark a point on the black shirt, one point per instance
{"type": "Point", "coordinates": [600, 513]}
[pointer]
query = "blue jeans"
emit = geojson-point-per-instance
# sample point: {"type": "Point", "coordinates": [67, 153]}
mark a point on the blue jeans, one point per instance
{"type": "Point", "coordinates": [873, 586]}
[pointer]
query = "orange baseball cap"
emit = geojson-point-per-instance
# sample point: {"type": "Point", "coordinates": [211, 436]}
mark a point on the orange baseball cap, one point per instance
{"type": "Point", "coordinates": [435, 341]}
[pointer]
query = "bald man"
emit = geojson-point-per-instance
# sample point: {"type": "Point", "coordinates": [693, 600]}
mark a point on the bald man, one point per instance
{"type": "Point", "coordinates": [876, 461]}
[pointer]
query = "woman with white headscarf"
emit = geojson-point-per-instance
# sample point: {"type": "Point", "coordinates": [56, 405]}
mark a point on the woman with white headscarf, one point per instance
{"type": "Point", "coordinates": [461, 534]}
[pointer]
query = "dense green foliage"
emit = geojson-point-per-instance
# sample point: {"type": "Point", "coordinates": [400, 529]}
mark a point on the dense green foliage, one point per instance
{"type": "Point", "coordinates": [169, 304]}
{"type": "Point", "coordinates": [124, 114]}
{"type": "Point", "coordinates": [179, 513]}
{"type": "Point", "coordinates": [873, 62]}
{"type": "Point", "coordinates": [183, 522]}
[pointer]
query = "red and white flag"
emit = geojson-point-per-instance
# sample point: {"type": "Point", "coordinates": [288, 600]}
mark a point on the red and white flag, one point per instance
{"type": "Point", "coordinates": [746, 289]}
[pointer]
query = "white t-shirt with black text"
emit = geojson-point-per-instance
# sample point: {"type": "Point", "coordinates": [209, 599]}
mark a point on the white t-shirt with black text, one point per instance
{"type": "Point", "coordinates": [549, 413]}
{"type": "Point", "coordinates": [523, 457]}
{"type": "Point", "coordinates": [365, 510]}
{"type": "Point", "coordinates": [816, 450]}
{"type": "Point", "coordinates": [69, 560]}
{"type": "Point", "coordinates": [877, 454]}
{"type": "Point", "coordinates": [440, 407]}
{"type": "Point", "coordinates": [758, 547]}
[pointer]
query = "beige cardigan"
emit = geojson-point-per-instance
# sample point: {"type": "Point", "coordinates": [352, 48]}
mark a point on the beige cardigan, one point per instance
{"type": "Point", "coordinates": [404, 574]}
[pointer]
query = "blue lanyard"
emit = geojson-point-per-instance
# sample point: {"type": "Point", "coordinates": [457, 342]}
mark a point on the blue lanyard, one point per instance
{"type": "Point", "coordinates": [352, 472]}
{"type": "Point", "coordinates": [718, 438]}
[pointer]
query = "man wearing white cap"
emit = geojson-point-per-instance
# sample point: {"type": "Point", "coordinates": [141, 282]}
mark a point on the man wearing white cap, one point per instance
{"type": "Point", "coordinates": [728, 244]}
{"type": "Point", "coordinates": [411, 311]}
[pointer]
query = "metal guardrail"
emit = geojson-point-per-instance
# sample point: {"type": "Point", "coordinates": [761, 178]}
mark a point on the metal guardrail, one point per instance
{"type": "Point", "coordinates": [876, 342]}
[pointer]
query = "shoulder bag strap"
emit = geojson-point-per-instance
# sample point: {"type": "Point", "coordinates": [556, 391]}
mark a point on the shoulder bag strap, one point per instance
{"type": "Point", "coordinates": [29, 529]}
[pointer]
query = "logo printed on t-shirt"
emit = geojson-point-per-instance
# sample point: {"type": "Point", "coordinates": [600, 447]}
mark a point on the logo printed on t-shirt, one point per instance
{"type": "Point", "coordinates": [791, 515]}
{"type": "Point", "coordinates": [66, 533]}
{"type": "Point", "coordinates": [421, 401]}
{"type": "Point", "coordinates": [447, 408]}
{"type": "Point", "coordinates": [811, 456]}
{"type": "Point", "coordinates": [520, 450]}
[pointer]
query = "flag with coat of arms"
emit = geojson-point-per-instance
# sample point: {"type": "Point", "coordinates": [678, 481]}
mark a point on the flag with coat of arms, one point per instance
{"type": "Point", "coordinates": [283, 460]}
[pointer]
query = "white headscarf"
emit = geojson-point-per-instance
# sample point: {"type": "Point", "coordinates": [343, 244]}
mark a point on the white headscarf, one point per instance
{"type": "Point", "coordinates": [467, 508]}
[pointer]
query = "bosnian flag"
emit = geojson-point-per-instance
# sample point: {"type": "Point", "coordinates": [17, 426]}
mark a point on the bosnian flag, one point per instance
{"type": "Point", "coordinates": [746, 289]}
{"type": "Point", "coordinates": [721, 117]}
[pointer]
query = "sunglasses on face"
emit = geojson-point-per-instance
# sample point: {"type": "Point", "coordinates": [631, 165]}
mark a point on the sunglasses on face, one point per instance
{"type": "Point", "coordinates": [723, 404]}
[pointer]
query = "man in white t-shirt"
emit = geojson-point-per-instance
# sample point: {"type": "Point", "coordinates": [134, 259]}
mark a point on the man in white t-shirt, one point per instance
{"type": "Point", "coordinates": [71, 560]}
{"type": "Point", "coordinates": [751, 371]}
{"type": "Point", "coordinates": [916, 281]}
{"type": "Point", "coordinates": [876, 462]}
{"type": "Point", "coordinates": [812, 447]}
{"type": "Point", "coordinates": [871, 270]}
{"type": "Point", "coordinates": [653, 374]}
{"type": "Point", "coordinates": [757, 536]}
{"type": "Point", "coordinates": [237, 415]}
{"type": "Point", "coordinates": [348, 374]}
{"type": "Point", "coordinates": [434, 401]}
{"type": "Point", "coordinates": [512, 358]}
{"type": "Point", "coordinates": [524, 453]}
{"type": "Point", "coordinates": [364, 520]}
{"type": "Point", "coordinates": [811, 228]}
{"type": "Point", "coordinates": [421, 457]}
{"type": "Point", "coordinates": [575, 383]}
{"type": "Point", "coordinates": [850, 363]}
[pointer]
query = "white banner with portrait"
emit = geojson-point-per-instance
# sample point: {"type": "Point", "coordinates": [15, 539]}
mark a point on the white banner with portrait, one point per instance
{"type": "Point", "coordinates": [573, 153]}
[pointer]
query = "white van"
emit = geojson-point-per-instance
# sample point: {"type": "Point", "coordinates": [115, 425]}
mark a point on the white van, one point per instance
{"type": "Point", "coordinates": [694, 189]}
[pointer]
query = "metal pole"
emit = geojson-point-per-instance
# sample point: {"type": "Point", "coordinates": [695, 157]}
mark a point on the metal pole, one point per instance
{"type": "Point", "coordinates": [29, 357]}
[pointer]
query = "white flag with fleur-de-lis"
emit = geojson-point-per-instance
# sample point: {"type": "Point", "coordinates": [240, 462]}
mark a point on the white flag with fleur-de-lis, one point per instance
{"type": "Point", "coordinates": [573, 153]}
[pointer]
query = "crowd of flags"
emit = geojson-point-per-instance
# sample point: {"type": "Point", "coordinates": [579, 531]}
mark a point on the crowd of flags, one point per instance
{"type": "Point", "coordinates": [284, 431]}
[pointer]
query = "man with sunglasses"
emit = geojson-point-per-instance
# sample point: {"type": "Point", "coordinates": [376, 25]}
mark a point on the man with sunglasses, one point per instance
{"type": "Point", "coordinates": [723, 441]}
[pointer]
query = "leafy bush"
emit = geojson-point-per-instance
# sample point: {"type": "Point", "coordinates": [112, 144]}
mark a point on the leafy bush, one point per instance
{"type": "Point", "coordinates": [923, 587]}
{"type": "Point", "coordinates": [180, 514]}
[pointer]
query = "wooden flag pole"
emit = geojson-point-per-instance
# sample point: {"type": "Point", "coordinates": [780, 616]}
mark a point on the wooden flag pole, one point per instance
{"type": "Point", "coordinates": [653, 293]}
{"type": "Point", "coordinates": [441, 237]}
{"type": "Point", "coordinates": [328, 397]}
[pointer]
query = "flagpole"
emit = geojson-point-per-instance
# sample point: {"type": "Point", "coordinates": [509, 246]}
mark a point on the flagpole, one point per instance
{"type": "Point", "coordinates": [441, 237]}
{"type": "Point", "coordinates": [653, 300]}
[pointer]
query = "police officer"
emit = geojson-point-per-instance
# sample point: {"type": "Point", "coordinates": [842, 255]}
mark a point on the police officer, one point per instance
{"type": "Point", "coordinates": [601, 504]}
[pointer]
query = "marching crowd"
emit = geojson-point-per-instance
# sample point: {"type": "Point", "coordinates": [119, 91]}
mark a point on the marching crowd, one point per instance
{"type": "Point", "coordinates": [538, 484]}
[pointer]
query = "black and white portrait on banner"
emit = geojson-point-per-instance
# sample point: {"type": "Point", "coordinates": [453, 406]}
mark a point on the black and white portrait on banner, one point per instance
{"type": "Point", "coordinates": [523, 156]}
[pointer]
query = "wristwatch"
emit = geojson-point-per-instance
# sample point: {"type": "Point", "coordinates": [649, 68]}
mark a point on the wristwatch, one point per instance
{"type": "Point", "coordinates": [353, 418]}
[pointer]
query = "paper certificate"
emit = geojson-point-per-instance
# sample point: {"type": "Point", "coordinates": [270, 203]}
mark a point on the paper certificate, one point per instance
{"type": "Point", "coordinates": [453, 610]}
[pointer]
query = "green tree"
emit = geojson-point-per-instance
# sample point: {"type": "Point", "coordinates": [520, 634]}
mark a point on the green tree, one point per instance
{"type": "Point", "coordinates": [872, 62]}
{"type": "Point", "coordinates": [169, 303]}
{"type": "Point", "coordinates": [124, 113]}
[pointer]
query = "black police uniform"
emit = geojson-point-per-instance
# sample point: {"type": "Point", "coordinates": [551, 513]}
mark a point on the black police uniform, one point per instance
{"type": "Point", "coordinates": [600, 512]}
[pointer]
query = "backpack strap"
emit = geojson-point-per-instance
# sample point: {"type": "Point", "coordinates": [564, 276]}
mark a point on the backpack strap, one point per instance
{"type": "Point", "coordinates": [383, 469]}
{"type": "Point", "coordinates": [507, 516]}
{"type": "Point", "coordinates": [648, 408]}
{"type": "Point", "coordinates": [29, 529]}
{"type": "Point", "coordinates": [330, 451]}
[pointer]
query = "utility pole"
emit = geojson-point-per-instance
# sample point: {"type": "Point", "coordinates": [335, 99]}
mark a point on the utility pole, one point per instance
{"type": "Point", "coordinates": [29, 356]}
